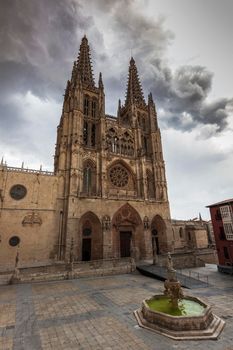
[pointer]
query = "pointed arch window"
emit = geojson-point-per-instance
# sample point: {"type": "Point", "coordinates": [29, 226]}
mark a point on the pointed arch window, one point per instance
{"type": "Point", "coordinates": [150, 185]}
{"type": "Point", "coordinates": [114, 144]}
{"type": "Point", "coordinates": [89, 178]}
{"type": "Point", "coordinates": [93, 134]}
{"type": "Point", "coordinates": [86, 106]}
{"type": "Point", "coordinates": [85, 133]}
{"type": "Point", "coordinates": [93, 109]}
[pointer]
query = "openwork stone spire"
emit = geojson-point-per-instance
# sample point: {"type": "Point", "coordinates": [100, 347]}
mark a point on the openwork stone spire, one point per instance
{"type": "Point", "coordinates": [134, 89]}
{"type": "Point", "coordinates": [84, 63]}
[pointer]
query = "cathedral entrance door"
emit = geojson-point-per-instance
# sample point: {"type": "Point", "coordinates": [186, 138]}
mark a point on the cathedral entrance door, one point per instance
{"type": "Point", "coordinates": [125, 243]}
{"type": "Point", "coordinates": [86, 249]}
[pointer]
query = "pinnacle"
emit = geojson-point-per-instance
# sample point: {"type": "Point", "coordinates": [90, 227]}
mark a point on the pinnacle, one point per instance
{"type": "Point", "coordinates": [84, 65]}
{"type": "Point", "coordinates": [101, 85]}
{"type": "Point", "coordinates": [132, 61]}
{"type": "Point", "coordinates": [134, 92]}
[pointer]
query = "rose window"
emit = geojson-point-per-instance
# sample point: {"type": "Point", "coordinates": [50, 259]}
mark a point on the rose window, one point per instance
{"type": "Point", "coordinates": [119, 176]}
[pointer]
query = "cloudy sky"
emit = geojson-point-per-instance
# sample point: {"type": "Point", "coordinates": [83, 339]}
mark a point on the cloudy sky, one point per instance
{"type": "Point", "coordinates": [184, 54]}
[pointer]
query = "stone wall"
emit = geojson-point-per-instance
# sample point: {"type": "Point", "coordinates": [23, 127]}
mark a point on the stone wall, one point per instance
{"type": "Point", "coordinates": [33, 219]}
{"type": "Point", "coordinates": [63, 271]}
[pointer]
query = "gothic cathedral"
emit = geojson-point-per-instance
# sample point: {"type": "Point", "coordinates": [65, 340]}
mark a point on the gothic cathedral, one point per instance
{"type": "Point", "coordinates": [108, 192]}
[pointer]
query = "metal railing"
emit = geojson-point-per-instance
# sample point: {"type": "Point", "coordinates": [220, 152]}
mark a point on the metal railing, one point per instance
{"type": "Point", "coordinates": [193, 274]}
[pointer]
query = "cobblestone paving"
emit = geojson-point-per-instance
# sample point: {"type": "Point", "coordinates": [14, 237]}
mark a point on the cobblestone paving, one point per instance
{"type": "Point", "coordinates": [63, 306]}
{"type": "Point", "coordinates": [6, 343]}
{"type": "Point", "coordinates": [97, 313]}
{"type": "Point", "coordinates": [53, 288]}
{"type": "Point", "coordinates": [7, 314]}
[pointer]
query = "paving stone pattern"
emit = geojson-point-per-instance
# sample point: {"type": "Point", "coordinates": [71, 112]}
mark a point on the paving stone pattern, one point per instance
{"type": "Point", "coordinates": [97, 313]}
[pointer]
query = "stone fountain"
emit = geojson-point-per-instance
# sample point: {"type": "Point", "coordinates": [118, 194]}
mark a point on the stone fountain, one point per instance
{"type": "Point", "coordinates": [177, 316]}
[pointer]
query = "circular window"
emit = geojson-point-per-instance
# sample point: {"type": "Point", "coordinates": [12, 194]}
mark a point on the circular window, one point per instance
{"type": "Point", "coordinates": [119, 176]}
{"type": "Point", "coordinates": [14, 241]}
{"type": "Point", "coordinates": [18, 192]}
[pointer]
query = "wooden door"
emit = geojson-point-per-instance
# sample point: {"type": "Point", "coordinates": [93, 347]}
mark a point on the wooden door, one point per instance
{"type": "Point", "coordinates": [125, 242]}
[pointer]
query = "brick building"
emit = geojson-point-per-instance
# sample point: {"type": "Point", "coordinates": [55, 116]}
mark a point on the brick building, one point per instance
{"type": "Point", "coordinates": [222, 222]}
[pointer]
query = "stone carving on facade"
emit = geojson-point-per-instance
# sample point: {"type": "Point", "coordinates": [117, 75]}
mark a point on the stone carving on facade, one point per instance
{"type": "Point", "coordinates": [126, 215]}
{"type": "Point", "coordinates": [106, 223]}
{"type": "Point", "coordinates": [146, 222]}
{"type": "Point", "coordinates": [32, 219]}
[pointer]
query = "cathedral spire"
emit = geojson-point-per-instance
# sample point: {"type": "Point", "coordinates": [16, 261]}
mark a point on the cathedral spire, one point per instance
{"type": "Point", "coordinates": [84, 63]}
{"type": "Point", "coordinates": [101, 85]}
{"type": "Point", "coordinates": [134, 89]}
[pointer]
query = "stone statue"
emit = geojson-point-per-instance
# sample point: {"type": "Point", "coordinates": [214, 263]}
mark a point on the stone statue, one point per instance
{"type": "Point", "coordinates": [172, 287]}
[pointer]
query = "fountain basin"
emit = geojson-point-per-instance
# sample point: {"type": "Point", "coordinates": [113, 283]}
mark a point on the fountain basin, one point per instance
{"type": "Point", "coordinates": [186, 307]}
{"type": "Point", "coordinates": [202, 325]}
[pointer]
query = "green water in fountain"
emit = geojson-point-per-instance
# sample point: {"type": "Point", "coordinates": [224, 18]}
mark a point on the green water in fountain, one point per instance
{"type": "Point", "coordinates": [186, 307]}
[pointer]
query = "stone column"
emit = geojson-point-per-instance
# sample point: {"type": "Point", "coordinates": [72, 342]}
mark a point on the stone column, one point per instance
{"type": "Point", "coordinates": [107, 237]}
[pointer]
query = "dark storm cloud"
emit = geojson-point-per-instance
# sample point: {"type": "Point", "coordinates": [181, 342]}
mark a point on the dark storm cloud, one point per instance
{"type": "Point", "coordinates": [181, 93]}
{"type": "Point", "coordinates": [37, 39]}
{"type": "Point", "coordinates": [40, 39]}
{"type": "Point", "coordinates": [188, 92]}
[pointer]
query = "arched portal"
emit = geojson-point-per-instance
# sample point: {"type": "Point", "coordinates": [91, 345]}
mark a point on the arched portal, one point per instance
{"type": "Point", "coordinates": [158, 235]}
{"type": "Point", "coordinates": [91, 237]}
{"type": "Point", "coordinates": [128, 238]}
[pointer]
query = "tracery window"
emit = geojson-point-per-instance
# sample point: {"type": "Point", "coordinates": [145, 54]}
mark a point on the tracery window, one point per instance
{"type": "Point", "coordinates": [86, 106]}
{"type": "Point", "coordinates": [85, 133]}
{"type": "Point", "coordinates": [89, 178]}
{"type": "Point", "coordinates": [121, 144]}
{"type": "Point", "coordinates": [93, 129]}
{"type": "Point", "coordinates": [119, 176]}
{"type": "Point", "coordinates": [89, 126]}
{"type": "Point", "coordinates": [150, 185]}
{"type": "Point", "coordinates": [93, 109]}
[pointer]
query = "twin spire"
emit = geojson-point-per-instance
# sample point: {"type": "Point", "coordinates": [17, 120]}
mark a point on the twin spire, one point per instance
{"type": "Point", "coordinates": [134, 93]}
{"type": "Point", "coordinates": [84, 65]}
{"type": "Point", "coordinates": [83, 68]}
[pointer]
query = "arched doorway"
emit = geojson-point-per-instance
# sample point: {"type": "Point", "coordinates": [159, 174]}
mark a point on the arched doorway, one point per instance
{"type": "Point", "coordinates": [91, 237]}
{"type": "Point", "coordinates": [127, 233]}
{"type": "Point", "coordinates": [155, 241]}
{"type": "Point", "coordinates": [158, 235]}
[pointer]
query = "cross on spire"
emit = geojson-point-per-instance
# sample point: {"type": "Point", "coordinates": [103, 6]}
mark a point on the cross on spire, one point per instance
{"type": "Point", "coordinates": [134, 90]}
{"type": "Point", "coordinates": [84, 63]}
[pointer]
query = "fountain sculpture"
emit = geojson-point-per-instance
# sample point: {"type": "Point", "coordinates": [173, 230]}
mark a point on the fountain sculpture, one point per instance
{"type": "Point", "coordinates": [177, 316]}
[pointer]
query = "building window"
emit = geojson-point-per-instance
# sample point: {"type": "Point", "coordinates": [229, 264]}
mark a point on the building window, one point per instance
{"type": "Point", "coordinates": [228, 229]}
{"type": "Point", "coordinates": [85, 133]}
{"type": "Point", "coordinates": [225, 252]}
{"type": "Point", "coordinates": [14, 241]}
{"type": "Point", "coordinates": [225, 212]}
{"type": "Point", "coordinates": [181, 232]}
{"type": "Point", "coordinates": [189, 236]}
{"type": "Point", "coordinates": [87, 180]}
{"type": "Point", "coordinates": [119, 176]}
{"type": "Point", "coordinates": [93, 135]}
{"type": "Point", "coordinates": [93, 109]}
{"type": "Point", "coordinates": [222, 236]}
{"type": "Point", "coordinates": [145, 144]}
{"type": "Point", "coordinates": [150, 185]}
{"type": "Point", "coordinates": [86, 106]}
{"type": "Point", "coordinates": [18, 192]}
{"type": "Point", "coordinates": [218, 215]}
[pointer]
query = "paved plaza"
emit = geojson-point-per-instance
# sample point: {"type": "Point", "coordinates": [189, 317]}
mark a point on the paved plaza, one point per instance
{"type": "Point", "coordinates": [97, 313]}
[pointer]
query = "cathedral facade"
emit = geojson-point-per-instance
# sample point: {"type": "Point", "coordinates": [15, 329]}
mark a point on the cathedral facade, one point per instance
{"type": "Point", "coordinates": [107, 196]}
